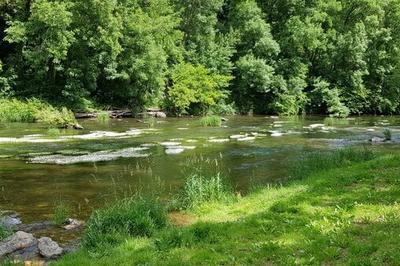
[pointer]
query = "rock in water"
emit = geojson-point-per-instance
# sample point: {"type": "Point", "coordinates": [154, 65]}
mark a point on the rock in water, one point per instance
{"type": "Point", "coordinates": [73, 224]}
{"type": "Point", "coordinates": [49, 248]}
{"type": "Point", "coordinates": [78, 127]}
{"type": "Point", "coordinates": [10, 221]}
{"type": "Point", "coordinates": [19, 240]}
{"type": "Point", "coordinates": [377, 140]}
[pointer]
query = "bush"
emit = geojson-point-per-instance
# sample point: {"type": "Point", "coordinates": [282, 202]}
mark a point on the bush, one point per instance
{"type": "Point", "coordinates": [318, 161]}
{"type": "Point", "coordinates": [128, 217]}
{"type": "Point", "coordinates": [211, 121]}
{"type": "Point", "coordinates": [200, 189]}
{"type": "Point", "coordinates": [33, 110]}
{"type": "Point", "coordinates": [196, 89]}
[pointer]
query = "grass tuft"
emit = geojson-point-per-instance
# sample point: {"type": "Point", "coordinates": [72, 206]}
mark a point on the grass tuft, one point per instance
{"type": "Point", "coordinates": [61, 213]}
{"type": "Point", "coordinates": [387, 134]}
{"type": "Point", "coordinates": [103, 117]}
{"type": "Point", "coordinates": [200, 189]}
{"type": "Point", "coordinates": [53, 132]}
{"type": "Point", "coordinates": [135, 217]}
{"type": "Point", "coordinates": [211, 121]}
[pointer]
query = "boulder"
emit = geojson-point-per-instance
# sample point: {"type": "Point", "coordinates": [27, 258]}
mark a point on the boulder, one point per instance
{"type": "Point", "coordinates": [49, 248]}
{"type": "Point", "coordinates": [78, 127]}
{"type": "Point", "coordinates": [18, 241]}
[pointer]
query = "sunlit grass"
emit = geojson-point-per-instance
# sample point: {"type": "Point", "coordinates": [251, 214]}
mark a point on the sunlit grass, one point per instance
{"type": "Point", "coordinates": [343, 213]}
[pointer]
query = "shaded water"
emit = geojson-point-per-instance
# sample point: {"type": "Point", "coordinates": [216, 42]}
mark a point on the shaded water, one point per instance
{"type": "Point", "coordinates": [36, 170]}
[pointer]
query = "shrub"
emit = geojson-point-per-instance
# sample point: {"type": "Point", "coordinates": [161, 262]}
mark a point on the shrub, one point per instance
{"type": "Point", "coordinates": [61, 213]}
{"type": "Point", "coordinates": [211, 121]}
{"type": "Point", "coordinates": [200, 189]}
{"type": "Point", "coordinates": [318, 161]}
{"type": "Point", "coordinates": [4, 233]}
{"type": "Point", "coordinates": [128, 217]}
{"type": "Point", "coordinates": [196, 89]}
{"type": "Point", "coordinates": [33, 110]}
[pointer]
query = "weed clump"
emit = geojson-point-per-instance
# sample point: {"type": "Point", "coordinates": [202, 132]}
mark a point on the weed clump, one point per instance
{"type": "Point", "coordinates": [135, 217]}
{"type": "Point", "coordinates": [200, 189]}
{"type": "Point", "coordinates": [211, 121]}
{"type": "Point", "coordinates": [387, 134]}
{"type": "Point", "coordinates": [61, 213]}
{"type": "Point", "coordinates": [103, 117]}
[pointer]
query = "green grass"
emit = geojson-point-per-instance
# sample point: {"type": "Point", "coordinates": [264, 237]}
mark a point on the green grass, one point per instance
{"type": "Point", "coordinates": [103, 117]}
{"type": "Point", "coordinates": [62, 212]}
{"type": "Point", "coordinates": [211, 121]}
{"type": "Point", "coordinates": [136, 217]}
{"type": "Point", "coordinates": [200, 189]}
{"type": "Point", "coordinates": [343, 213]}
{"type": "Point", "coordinates": [33, 110]}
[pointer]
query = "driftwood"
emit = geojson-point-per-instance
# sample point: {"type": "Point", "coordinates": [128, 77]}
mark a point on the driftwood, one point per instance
{"type": "Point", "coordinates": [112, 114]}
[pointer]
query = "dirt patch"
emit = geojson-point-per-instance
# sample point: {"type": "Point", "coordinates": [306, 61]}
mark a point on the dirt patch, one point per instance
{"type": "Point", "coordinates": [181, 219]}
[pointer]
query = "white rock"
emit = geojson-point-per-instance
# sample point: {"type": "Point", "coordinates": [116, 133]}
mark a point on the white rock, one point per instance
{"type": "Point", "coordinates": [238, 136]}
{"type": "Point", "coordinates": [316, 125]}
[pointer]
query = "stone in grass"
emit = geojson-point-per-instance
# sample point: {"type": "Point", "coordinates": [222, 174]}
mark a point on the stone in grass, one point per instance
{"type": "Point", "coordinates": [18, 241]}
{"type": "Point", "coordinates": [48, 248]}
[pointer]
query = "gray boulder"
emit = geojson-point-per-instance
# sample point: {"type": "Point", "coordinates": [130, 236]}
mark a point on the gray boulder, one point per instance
{"type": "Point", "coordinates": [49, 248]}
{"type": "Point", "coordinates": [73, 224]}
{"type": "Point", "coordinates": [18, 241]}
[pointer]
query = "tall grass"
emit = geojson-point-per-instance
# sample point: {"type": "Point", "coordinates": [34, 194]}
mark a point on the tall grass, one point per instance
{"type": "Point", "coordinates": [211, 121]}
{"type": "Point", "coordinates": [103, 117]}
{"type": "Point", "coordinates": [128, 217]}
{"type": "Point", "coordinates": [200, 189]}
{"type": "Point", "coordinates": [61, 213]}
{"type": "Point", "coordinates": [325, 160]}
{"type": "Point", "coordinates": [387, 134]}
{"type": "Point", "coordinates": [34, 110]}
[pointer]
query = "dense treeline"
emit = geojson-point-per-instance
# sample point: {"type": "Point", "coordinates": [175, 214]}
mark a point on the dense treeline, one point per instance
{"type": "Point", "coordinates": [194, 56]}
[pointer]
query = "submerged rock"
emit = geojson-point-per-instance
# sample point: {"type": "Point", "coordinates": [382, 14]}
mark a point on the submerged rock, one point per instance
{"type": "Point", "coordinates": [100, 156]}
{"type": "Point", "coordinates": [49, 248]}
{"type": "Point", "coordinates": [174, 150]}
{"type": "Point", "coordinates": [170, 143]}
{"type": "Point", "coordinates": [34, 227]}
{"type": "Point", "coordinates": [218, 140]}
{"type": "Point", "coordinates": [18, 241]}
{"type": "Point", "coordinates": [10, 221]}
{"type": "Point", "coordinates": [246, 139]}
{"type": "Point", "coordinates": [377, 140]}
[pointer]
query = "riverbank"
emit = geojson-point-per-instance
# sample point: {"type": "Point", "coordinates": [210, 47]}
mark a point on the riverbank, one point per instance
{"type": "Point", "coordinates": [345, 215]}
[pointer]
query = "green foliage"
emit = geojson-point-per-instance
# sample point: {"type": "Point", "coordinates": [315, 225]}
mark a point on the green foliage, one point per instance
{"type": "Point", "coordinates": [136, 217]}
{"type": "Point", "coordinates": [195, 89]}
{"type": "Point", "coordinates": [4, 233]}
{"type": "Point", "coordinates": [33, 110]}
{"type": "Point", "coordinates": [287, 57]}
{"type": "Point", "coordinates": [62, 212]}
{"type": "Point", "coordinates": [211, 121]}
{"type": "Point", "coordinates": [201, 189]}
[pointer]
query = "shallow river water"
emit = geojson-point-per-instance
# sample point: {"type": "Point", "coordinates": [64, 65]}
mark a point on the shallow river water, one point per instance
{"type": "Point", "coordinates": [86, 168]}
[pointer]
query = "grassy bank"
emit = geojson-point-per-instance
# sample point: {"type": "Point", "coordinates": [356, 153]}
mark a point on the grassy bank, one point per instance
{"type": "Point", "coordinates": [341, 209]}
{"type": "Point", "coordinates": [33, 110]}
